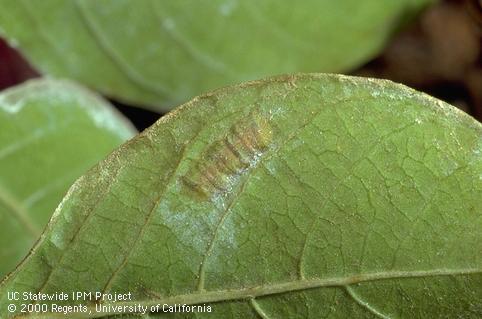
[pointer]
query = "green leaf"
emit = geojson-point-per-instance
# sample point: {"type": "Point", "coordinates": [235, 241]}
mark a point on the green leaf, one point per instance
{"type": "Point", "coordinates": [308, 196]}
{"type": "Point", "coordinates": [160, 53]}
{"type": "Point", "coordinates": [51, 132]}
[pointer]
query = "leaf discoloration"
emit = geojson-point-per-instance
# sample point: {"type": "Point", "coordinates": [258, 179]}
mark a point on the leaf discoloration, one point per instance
{"type": "Point", "coordinates": [226, 159]}
{"type": "Point", "coordinates": [331, 199]}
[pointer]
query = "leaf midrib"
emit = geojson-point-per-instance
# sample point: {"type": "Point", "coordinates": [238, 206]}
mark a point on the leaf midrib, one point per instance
{"type": "Point", "coordinates": [267, 290]}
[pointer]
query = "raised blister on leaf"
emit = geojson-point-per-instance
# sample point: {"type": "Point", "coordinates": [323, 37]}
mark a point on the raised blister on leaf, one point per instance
{"type": "Point", "coordinates": [220, 166]}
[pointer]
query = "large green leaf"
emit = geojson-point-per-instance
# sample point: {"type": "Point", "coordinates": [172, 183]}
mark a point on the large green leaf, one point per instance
{"type": "Point", "coordinates": [160, 53]}
{"type": "Point", "coordinates": [310, 196]}
{"type": "Point", "coordinates": [51, 132]}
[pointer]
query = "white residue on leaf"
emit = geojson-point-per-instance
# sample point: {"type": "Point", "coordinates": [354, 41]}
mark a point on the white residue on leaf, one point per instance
{"type": "Point", "coordinates": [275, 111]}
{"type": "Point", "coordinates": [183, 221]}
{"type": "Point", "coordinates": [74, 188]}
{"type": "Point", "coordinates": [477, 153]}
{"type": "Point", "coordinates": [375, 93]}
{"type": "Point", "coordinates": [57, 240]}
{"type": "Point", "coordinates": [270, 166]}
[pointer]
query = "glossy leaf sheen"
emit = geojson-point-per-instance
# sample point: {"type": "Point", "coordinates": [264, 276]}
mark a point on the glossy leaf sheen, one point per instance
{"type": "Point", "coordinates": [51, 132]}
{"type": "Point", "coordinates": [342, 198]}
{"type": "Point", "coordinates": [160, 53]}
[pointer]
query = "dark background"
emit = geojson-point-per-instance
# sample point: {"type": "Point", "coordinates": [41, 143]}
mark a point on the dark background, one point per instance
{"type": "Point", "coordinates": [439, 53]}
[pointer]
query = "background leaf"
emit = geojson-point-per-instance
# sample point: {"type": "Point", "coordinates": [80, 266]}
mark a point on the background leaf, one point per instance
{"type": "Point", "coordinates": [50, 133]}
{"type": "Point", "coordinates": [294, 197]}
{"type": "Point", "coordinates": [159, 53]}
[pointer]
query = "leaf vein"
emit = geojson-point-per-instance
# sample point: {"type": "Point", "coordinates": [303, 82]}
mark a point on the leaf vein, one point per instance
{"type": "Point", "coordinates": [131, 73]}
{"type": "Point", "coordinates": [364, 304]}
{"type": "Point", "coordinates": [148, 217]}
{"type": "Point", "coordinates": [184, 44]}
{"type": "Point", "coordinates": [275, 289]}
{"type": "Point", "coordinates": [257, 308]}
{"type": "Point", "coordinates": [349, 173]}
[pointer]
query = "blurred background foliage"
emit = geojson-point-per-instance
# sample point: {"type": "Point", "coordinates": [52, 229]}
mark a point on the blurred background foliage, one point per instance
{"type": "Point", "coordinates": [436, 51]}
{"type": "Point", "coordinates": [158, 54]}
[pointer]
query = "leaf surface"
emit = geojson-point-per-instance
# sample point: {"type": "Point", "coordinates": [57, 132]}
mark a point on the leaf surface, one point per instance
{"type": "Point", "coordinates": [160, 53]}
{"type": "Point", "coordinates": [51, 132]}
{"type": "Point", "coordinates": [307, 196]}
